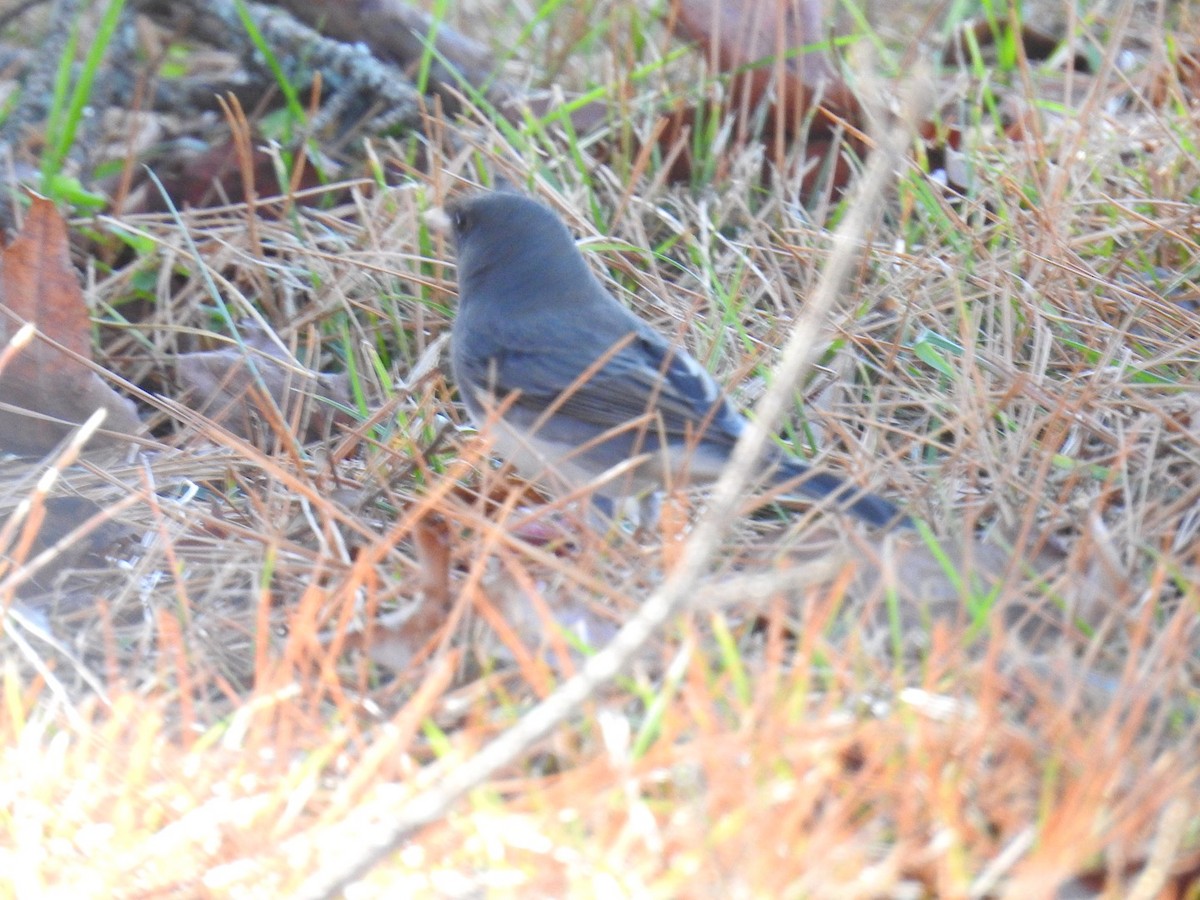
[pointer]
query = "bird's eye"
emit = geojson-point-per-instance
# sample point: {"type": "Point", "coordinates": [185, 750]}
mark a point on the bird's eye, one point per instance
{"type": "Point", "coordinates": [458, 219]}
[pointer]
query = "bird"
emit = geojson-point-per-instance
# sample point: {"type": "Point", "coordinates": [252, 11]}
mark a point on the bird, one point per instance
{"type": "Point", "coordinates": [576, 390]}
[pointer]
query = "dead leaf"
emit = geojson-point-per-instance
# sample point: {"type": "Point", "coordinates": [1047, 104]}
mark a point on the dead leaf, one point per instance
{"type": "Point", "coordinates": [53, 520]}
{"type": "Point", "coordinates": [1036, 45]}
{"type": "Point", "coordinates": [759, 43]}
{"type": "Point", "coordinates": [765, 38]}
{"type": "Point", "coordinates": [215, 176]}
{"type": "Point", "coordinates": [222, 386]}
{"type": "Point", "coordinates": [1173, 80]}
{"type": "Point", "coordinates": [47, 387]}
{"type": "Point", "coordinates": [931, 584]}
{"type": "Point", "coordinates": [398, 639]}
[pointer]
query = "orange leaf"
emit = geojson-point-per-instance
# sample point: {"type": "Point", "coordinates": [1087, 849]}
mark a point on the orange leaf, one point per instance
{"type": "Point", "coordinates": [49, 379]}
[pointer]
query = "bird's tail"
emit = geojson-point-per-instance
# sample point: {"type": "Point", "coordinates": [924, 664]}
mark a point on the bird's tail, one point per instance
{"type": "Point", "coordinates": [817, 485]}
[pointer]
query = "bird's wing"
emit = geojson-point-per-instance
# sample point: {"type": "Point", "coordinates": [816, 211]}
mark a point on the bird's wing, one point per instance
{"type": "Point", "coordinates": [645, 374]}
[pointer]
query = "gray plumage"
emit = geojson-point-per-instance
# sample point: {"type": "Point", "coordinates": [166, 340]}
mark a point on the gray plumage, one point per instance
{"type": "Point", "coordinates": [532, 319]}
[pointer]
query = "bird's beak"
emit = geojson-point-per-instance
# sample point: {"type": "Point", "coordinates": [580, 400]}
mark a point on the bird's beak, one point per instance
{"type": "Point", "coordinates": [436, 219]}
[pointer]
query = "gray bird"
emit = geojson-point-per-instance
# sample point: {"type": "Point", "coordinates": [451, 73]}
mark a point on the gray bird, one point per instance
{"type": "Point", "coordinates": [578, 391]}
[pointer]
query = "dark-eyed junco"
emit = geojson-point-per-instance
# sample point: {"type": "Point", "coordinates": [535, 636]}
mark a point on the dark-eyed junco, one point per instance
{"type": "Point", "coordinates": [578, 391]}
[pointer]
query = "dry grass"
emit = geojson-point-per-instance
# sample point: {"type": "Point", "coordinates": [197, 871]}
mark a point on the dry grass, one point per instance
{"type": "Point", "coordinates": [302, 634]}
